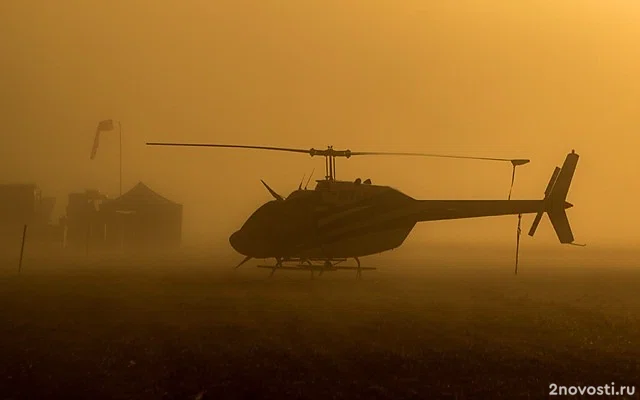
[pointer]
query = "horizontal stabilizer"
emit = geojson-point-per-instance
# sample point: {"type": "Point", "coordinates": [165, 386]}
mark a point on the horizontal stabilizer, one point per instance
{"type": "Point", "coordinates": [561, 225]}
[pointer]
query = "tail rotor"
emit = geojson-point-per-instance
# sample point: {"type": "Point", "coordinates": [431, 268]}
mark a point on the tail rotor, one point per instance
{"type": "Point", "coordinates": [554, 204]}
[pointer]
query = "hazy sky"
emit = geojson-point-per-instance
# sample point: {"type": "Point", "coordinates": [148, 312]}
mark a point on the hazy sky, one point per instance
{"type": "Point", "coordinates": [490, 78]}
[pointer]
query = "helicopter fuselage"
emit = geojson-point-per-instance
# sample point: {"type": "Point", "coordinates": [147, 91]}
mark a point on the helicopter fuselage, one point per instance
{"type": "Point", "coordinates": [336, 220]}
{"type": "Point", "coordinates": [341, 219]}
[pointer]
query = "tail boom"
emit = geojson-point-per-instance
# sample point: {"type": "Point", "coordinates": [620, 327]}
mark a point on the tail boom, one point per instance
{"type": "Point", "coordinates": [435, 210]}
{"type": "Point", "coordinates": [554, 204]}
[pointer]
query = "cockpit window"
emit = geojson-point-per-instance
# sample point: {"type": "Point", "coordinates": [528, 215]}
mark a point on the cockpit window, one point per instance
{"type": "Point", "coordinates": [296, 193]}
{"type": "Point", "coordinates": [262, 214]}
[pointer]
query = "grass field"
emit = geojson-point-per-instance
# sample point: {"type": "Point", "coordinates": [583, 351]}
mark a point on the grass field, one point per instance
{"type": "Point", "coordinates": [188, 330]}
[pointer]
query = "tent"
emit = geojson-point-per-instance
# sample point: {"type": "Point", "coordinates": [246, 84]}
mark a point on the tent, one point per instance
{"type": "Point", "coordinates": [142, 218]}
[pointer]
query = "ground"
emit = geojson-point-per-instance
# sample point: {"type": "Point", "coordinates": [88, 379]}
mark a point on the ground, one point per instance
{"type": "Point", "coordinates": [177, 330]}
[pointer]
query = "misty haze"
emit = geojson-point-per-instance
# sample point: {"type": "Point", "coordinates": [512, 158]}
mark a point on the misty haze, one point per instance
{"type": "Point", "coordinates": [128, 270]}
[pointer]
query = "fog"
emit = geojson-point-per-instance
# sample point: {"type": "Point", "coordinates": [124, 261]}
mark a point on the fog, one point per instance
{"type": "Point", "coordinates": [494, 78]}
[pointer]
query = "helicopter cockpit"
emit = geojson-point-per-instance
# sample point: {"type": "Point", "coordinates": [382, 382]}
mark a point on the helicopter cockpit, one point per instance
{"type": "Point", "coordinates": [263, 215]}
{"type": "Point", "coordinates": [300, 193]}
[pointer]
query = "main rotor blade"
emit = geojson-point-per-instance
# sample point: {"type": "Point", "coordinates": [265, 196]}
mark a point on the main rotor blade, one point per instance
{"type": "Point", "coordinates": [516, 161]}
{"type": "Point", "coordinates": [331, 152]}
{"type": "Point", "coordinates": [230, 146]}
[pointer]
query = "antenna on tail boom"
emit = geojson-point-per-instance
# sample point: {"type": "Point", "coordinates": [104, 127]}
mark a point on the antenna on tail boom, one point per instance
{"type": "Point", "coordinates": [515, 163]}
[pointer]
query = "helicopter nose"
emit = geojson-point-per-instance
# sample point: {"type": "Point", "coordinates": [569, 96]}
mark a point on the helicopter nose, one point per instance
{"type": "Point", "coordinates": [249, 243]}
{"type": "Point", "coordinates": [235, 240]}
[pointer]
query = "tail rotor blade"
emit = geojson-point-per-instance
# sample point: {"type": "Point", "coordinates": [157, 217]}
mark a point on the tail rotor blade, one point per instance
{"type": "Point", "coordinates": [547, 193]}
{"type": "Point", "coordinates": [552, 181]}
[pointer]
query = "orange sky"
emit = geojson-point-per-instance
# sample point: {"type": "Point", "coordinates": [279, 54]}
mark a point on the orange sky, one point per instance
{"type": "Point", "coordinates": [529, 79]}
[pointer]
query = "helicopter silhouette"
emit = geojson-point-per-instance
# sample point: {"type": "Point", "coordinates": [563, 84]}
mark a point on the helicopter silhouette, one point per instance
{"type": "Point", "coordinates": [319, 229]}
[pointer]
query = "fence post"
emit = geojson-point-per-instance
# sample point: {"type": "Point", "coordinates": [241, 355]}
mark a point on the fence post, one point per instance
{"type": "Point", "coordinates": [24, 238]}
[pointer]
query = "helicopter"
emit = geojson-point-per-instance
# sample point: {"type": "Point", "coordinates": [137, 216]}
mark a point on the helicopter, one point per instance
{"type": "Point", "coordinates": [320, 229]}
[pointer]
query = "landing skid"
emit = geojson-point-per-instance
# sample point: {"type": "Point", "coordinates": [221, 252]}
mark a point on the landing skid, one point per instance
{"type": "Point", "coordinates": [309, 266]}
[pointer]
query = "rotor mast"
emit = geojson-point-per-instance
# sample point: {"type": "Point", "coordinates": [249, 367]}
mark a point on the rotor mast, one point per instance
{"type": "Point", "coordinates": [330, 160]}
{"type": "Point", "coordinates": [330, 167]}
